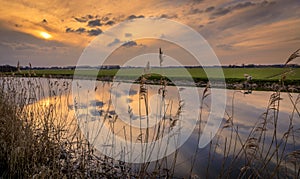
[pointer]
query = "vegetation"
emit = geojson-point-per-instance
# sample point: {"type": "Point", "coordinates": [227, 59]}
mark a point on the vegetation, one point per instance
{"type": "Point", "coordinates": [39, 140]}
{"type": "Point", "coordinates": [229, 73]}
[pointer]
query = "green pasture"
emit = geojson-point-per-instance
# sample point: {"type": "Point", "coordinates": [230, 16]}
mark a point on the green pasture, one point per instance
{"type": "Point", "coordinates": [229, 73]}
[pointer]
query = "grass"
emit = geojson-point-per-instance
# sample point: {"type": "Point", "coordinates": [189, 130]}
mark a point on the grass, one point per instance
{"type": "Point", "coordinates": [229, 73]}
{"type": "Point", "coordinates": [262, 78]}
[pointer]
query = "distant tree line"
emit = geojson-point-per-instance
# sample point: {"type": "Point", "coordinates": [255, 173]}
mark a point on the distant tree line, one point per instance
{"type": "Point", "coordinates": [9, 68]}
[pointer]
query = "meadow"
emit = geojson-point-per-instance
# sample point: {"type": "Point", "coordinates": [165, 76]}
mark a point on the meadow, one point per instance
{"type": "Point", "coordinates": [267, 73]}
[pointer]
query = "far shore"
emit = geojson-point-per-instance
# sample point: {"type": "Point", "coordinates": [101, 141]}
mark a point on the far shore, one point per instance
{"type": "Point", "coordinates": [291, 85]}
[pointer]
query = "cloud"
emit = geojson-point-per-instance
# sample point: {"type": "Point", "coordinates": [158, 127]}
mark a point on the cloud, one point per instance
{"type": "Point", "coordinates": [220, 12]}
{"type": "Point", "coordinates": [169, 16]}
{"type": "Point", "coordinates": [20, 46]}
{"type": "Point", "coordinates": [84, 19]}
{"type": "Point", "coordinates": [80, 30]}
{"type": "Point", "coordinates": [195, 11]}
{"type": "Point", "coordinates": [134, 17]}
{"type": "Point", "coordinates": [94, 32]}
{"type": "Point", "coordinates": [124, 43]}
{"type": "Point", "coordinates": [110, 22]}
{"type": "Point", "coordinates": [243, 5]}
{"type": "Point", "coordinates": [257, 14]}
{"type": "Point", "coordinates": [209, 9]}
{"type": "Point", "coordinates": [129, 44]}
{"type": "Point", "coordinates": [25, 46]}
{"type": "Point", "coordinates": [68, 30]}
{"type": "Point", "coordinates": [81, 19]}
{"type": "Point", "coordinates": [90, 16]}
{"type": "Point", "coordinates": [198, 1]}
{"type": "Point", "coordinates": [94, 23]}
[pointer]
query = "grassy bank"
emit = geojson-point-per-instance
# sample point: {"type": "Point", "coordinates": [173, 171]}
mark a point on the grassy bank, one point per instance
{"type": "Point", "coordinates": [262, 78]}
{"type": "Point", "coordinates": [196, 73]}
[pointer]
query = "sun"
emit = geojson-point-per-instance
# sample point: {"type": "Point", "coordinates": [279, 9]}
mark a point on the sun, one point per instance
{"type": "Point", "coordinates": [45, 35]}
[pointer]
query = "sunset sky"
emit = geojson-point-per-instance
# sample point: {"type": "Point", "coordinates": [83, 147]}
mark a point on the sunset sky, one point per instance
{"type": "Point", "coordinates": [55, 33]}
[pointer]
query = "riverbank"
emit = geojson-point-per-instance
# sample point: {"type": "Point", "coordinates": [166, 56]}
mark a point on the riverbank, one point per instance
{"type": "Point", "coordinates": [262, 79]}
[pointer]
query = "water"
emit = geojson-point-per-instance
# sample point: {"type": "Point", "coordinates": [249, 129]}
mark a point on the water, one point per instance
{"type": "Point", "coordinates": [127, 115]}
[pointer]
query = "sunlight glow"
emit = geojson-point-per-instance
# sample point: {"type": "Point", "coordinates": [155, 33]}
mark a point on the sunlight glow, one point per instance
{"type": "Point", "coordinates": [45, 35]}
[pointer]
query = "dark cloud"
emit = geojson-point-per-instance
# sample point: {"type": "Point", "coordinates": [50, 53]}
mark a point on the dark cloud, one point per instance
{"type": "Point", "coordinates": [94, 32]}
{"type": "Point", "coordinates": [140, 16]}
{"type": "Point", "coordinates": [125, 44]}
{"type": "Point", "coordinates": [94, 23]}
{"type": "Point", "coordinates": [242, 5]}
{"type": "Point", "coordinates": [68, 30]}
{"type": "Point", "coordinates": [128, 35]}
{"type": "Point", "coordinates": [195, 11]}
{"type": "Point", "coordinates": [110, 22]}
{"type": "Point", "coordinates": [164, 16]}
{"type": "Point", "coordinates": [134, 17]}
{"type": "Point", "coordinates": [81, 19]}
{"type": "Point", "coordinates": [209, 9]}
{"type": "Point", "coordinates": [226, 10]}
{"type": "Point", "coordinates": [267, 3]}
{"type": "Point", "coordinates": [80, 30]}
{"type": "Point", "coordinates": [90, 16]}
{"type": "Point", "coordinates": [168, 16]}
{"type": "Point", "coordinates": [265, 12]}
{"type": "Point", "coordinates": [129, 44]}
{"type": "Point", "coordinates": [220, 12]}
{"type": "Point", "coordinates": [198, 1]}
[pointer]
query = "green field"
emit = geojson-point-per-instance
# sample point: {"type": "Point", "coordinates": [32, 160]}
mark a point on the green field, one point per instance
{"type": "Point", "coordinates": [197, 73]}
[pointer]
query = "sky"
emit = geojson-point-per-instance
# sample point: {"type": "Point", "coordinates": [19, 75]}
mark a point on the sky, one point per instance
{"type": "Point", "coordinates": [55, 33]}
